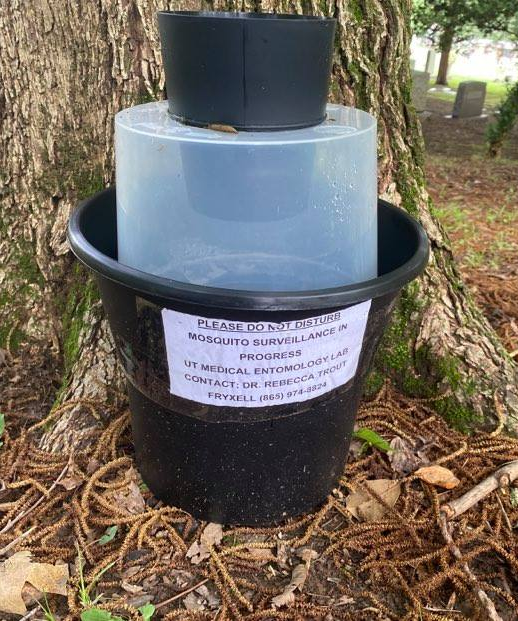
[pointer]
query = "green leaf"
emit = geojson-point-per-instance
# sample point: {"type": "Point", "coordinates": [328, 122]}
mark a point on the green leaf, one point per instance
{"type": "Point", "coordinates": [514, 497]}
{"type": "Point", "coordinates": [371, 438]}
{"type": "Point", "coordinates": [147, 611]}
{"type": "Point", "coordinates": [109, 534]}
{"type": "Point", "coordinates": [97, 614]}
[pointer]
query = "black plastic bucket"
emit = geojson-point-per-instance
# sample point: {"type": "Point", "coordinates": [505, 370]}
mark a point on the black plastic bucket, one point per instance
{"type": "Point", "coordinates": [253, 71]}
{"type": "Point", "coordinates": [241, 463]}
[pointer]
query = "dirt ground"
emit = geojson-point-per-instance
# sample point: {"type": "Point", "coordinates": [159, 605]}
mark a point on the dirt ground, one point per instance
{"type": "Point", "coordinates": [476, 198]}
{"type": "Point", "coordinates": [384, 557]}
{"type": "Point", "coordinates": [389, 554]}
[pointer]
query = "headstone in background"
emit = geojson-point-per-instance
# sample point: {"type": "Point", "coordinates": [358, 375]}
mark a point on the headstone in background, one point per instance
{"type": "Point", "coordinates": [420, 84]}
{"type": "Point", "coordinates": [469, 100]}
{"type": "Point", "coordinates": [412, 64]}
{"type": "Point", "coordinates": [431, 57]}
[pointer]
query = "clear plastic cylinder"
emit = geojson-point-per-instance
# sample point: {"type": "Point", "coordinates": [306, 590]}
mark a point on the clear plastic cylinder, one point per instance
{"type": "Point", "coordinates": [262, 211]}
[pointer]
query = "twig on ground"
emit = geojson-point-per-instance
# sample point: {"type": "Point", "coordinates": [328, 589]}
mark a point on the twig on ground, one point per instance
{"type": "Point", "coordinates": [12, 543]}
{"type": "Point", "coordinates": [450, 610]}
{"type": "Point", "coordinates": [30, 614]}
{"type": "Point", "coordinates": [22, 514]}
{"type": "Point", "coordinates": [501, 478]}
{"type": "Point", "coordinates": [504, 513]}
{"type": "Point", "coordinates": [182, 594]}
{"type": "Point", "coordinates": [481, 594]}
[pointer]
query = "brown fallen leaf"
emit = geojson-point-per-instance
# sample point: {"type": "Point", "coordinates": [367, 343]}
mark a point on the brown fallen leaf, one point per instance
{"type": "Point", "coordinates": [150, 581]}
{"type": "Point", "coordinates": [282, 554]}
{"type": "Point", "coordinates": [355, 449]}
{"type": "Point", "coordinates": [131, 571]}
{"type": "Point", "coordinates": [49, 578]}
{"type": "Point", "coordinates": [19, 569]}
{"type": "Point", "coordinates": [134, 589]}
{"type": "Point", "coordinates": [220, 127]}
{"type": "Point", "coordinates": [181, 578]}
{"type": "Point", "coordinates": [129, 498]}
{"type": "Point", "coordinates": [70, 483]}
{"type": "Point", "coordinates": [344, 600]}
{"type": "Point", "coordinates": [138, 600]}
{"type": "Point", "coordinates": [364, 507]}
{"type": "Point", "coordinates": [193, 602]}
{"type": "Point", "coordinates": [212, 535]}
{"type": "Point", "coordinates": [428, 447]}
{"type": "Point", "coordinates": [210, 598]}
{"type": "Point", "coordinates": [263, 555]}
{"type": "Point", "coordinates": [437, 475]}
{"type": "Point", "coordinates": [298, 577]}
{"type": "Point", "coordinates": [307, 554]}
{"type": "Point", "coordinates": [402, 458]}
{"type": "Point", "coordinates": [30, 595]}
{"type": "Point", "coordinates": [197, 553]}
{"type": "Point", "coordinates": [72, 479]}
{"type": "Point", "coordinates": [92, 466]}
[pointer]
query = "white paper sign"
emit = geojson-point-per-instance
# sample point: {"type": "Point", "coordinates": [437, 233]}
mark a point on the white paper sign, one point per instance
{"type": "Point", "coordinates": [255, 364]}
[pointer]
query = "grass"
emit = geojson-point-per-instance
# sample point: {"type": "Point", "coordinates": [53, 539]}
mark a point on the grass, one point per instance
{"type": "Point", "coordinates": [495, 90]}
{"type": "Point", "coordinates": [86, 589]}
{"type": "Point", "coordinates": [457, 219]}
{"type": "Point", "coordinates": [45, 608]}
{"type": "Point", "coordinates": [465, 224]}
{"type": "Point", "coordinates": [502, 213]}
{"type": "Point", "coordinates": [91, 613]}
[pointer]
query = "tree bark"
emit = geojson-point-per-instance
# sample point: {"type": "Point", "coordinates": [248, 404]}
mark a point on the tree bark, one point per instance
{"type": "Point", "coordinates": [66, 68]}
{"type": "Point", "coordinates": [445, 46]}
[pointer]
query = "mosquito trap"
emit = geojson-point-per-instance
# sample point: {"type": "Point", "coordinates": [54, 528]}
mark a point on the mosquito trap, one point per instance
{"type": "Point", "coordinates": [246, 266]}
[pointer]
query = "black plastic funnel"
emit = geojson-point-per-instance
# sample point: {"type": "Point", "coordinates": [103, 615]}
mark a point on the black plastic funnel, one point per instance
{"type": "Point", "coordinates": [234, 463]}
{"type": "Point", "coordinates": [253, 71]}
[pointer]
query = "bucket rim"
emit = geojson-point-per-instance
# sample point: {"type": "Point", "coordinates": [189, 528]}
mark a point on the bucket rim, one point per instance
{"type": "Point", "coordinates": [153, 286]}
{"type": "Point", "coordinates": [245, 16]}
{"type": "Point", "coordinates": [361, 121]}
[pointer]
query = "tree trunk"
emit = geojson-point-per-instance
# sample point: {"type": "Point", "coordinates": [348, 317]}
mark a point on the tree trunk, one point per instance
{"type": "Point", "coordinates": [67, 67]}
{"type": "Point", "coordinates": [445, 45]}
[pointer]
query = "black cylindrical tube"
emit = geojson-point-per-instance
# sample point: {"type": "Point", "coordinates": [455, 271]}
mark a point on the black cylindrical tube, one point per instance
{"type": "Point", "coordinates": [253, 71]}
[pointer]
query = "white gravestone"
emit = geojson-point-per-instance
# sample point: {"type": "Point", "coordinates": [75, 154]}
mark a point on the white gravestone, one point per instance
{"type": "Point", "coordinates": [470, 99]}
{"type": "Point", "coordinates": [431, 57]}
{"type": "Point", "coordinates": [420, 84]}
